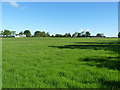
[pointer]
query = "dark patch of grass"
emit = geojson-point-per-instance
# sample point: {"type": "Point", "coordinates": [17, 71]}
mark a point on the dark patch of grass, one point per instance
{"type": "Point", "coordinates": [110, 46]}
{"type": "Point", "coordinates": [114, 48]}
{"type": "Point", "coordinates": [109, 62]}
{"type": "Point", "coordinates": [62, 74]}
{"type": "Point", "coordinates": [109, 84]}
{"type": "Point", "coordinates": [112, 42]}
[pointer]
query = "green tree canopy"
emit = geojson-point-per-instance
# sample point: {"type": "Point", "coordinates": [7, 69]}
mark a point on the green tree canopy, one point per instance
{"type": "Point", "coordinates": [75, 34]}
{"type": "Point", "coordinates": [67, 35]}
{"type": "Point", "coordinates": [37, 34]}
{"type": "Point", "coordinates": [58, 35]}
{"type": "Point", "coordinates": [1, 32]}
{"type": "Point", "coordinates": [7, 32]}
{"type": "Point", "coordinates": [21, 33]}
{"type": "Point", "coordinates": [79, 34]}
{"type": "Point", "coordinates": [13, 33]}
{"type": "Point", "coordinates": [47, 34]}
{"type": "Point", "coordinates": [119, 34]}
{"type": "Point", "coordinates": [41, 34]}
{"type": "Point", "coordinates": [27, 33]}
{"type": "Point", "coordinates": [100, 35]}
{"type": "Point", "coordinates": [83, 33]}
{"type": "Point", "coordinates": [87, 34]}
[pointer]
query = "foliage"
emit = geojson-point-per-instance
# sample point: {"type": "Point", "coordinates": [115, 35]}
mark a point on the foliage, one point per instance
{"type": "Point", "coordinates": [41, 34]}
{"type": "Point", "coordinates": [87, 34]}
{"type": "Point", "coordinates": [75, 34]}
{"type": "Point", "coordinates": [37, 34]}
{"type": "Point", "coordinates": [52, 36]}
{"type": "Point", "coordinates": [7, 33]}
{"type": "Point", "coordinates": [46, 34]}
{"type": "Point", "coordinates": [1, 32]}
{"type": "Point", "coordinates": [58, 35]}
{"type": "Point", "coordinates": [79, 34]}
{"type": "Point", "coordinates": [13, 33]}
{"type": "Point", "coordinates": [21, 33]}
{"type": "Point", "coordinates": [83, 33]}
{"type": "Point", "coordinates": [100, 35]}
{"type": "Point", "coordinates": [27, 33]}
{"type": "Point", "coordinates": [119, 34]}
{"type": "Point", "coordinates": [67, 35]}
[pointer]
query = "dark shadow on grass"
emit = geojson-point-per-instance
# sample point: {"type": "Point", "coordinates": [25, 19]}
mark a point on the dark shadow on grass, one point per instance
{"type": "Point", "coordinates": [102, 45]}
{"type": "Point", "coordinates": [105, 62]}
{"type": "Point", "coordinates": [109, 62]}
{"type": "Point", "coordinates": [109, 84]}
{"type": "Point", "coordinates": [111, 46]}
{"type": "Point", "coordinates": [101, 62]}
{"type": "Point", "coordinates": [115, 42]}
{"type": "Point", "coordinates": [114, 48]}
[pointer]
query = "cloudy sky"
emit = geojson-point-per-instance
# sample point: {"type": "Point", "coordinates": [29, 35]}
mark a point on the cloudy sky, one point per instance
{"type": "Point", "coordinates": [61, 17]}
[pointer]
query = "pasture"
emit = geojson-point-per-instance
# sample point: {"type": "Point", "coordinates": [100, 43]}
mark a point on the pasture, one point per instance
{"type": "Point", "coordinates": [60, 62]}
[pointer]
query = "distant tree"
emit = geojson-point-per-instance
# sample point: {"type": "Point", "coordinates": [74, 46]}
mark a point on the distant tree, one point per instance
{"type": "Point", "coordinates": [52, 36]}
{"type": "Point", "coordinates": [13, 33]}
{"type": "Point", "coordinates": [67, 35]}
{"type": "Point", "coordinates": [37, 34]}
{"type": "Point", "coordinates": [83, 33]}
{"type": "Point", "coordinates": [119, 34]}
{"type": "Point", "coordinates": [47, 34]}
{"type": "Point", "coordinates": [100, 35]}
{"type": "Point", "coordinates": [79, 34]}
{"type": "Point", "coordinates": [1, 33]}
{"type": "Point", "coordinates": [87, 34]}
{"type": "Point", "coordinates": [27, 33]}
{"type": "Point", "coordinates": [75, 34]}
{"type": "Point", "coordinates": [7, 33]}
{"type": "Point", "coordinates": [58, 35]}
{"type": "Point", "coordinates": [21, 33]}
{"type": "Point", "coordinates": [43, 34]}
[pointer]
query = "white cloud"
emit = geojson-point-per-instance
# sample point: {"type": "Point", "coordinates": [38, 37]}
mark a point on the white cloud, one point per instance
{"type": "Point", "coordinates": [86, 30]}
{"type": "Point", "coordinates": [89, 30]}
{"type": "Point", "coordinates": [82, 30]}
{"type": "Point", "coordinates": [14, 4]}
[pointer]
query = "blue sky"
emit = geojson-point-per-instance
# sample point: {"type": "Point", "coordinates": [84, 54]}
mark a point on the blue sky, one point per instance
{"type": "Point", "coordinates": [61, 17]}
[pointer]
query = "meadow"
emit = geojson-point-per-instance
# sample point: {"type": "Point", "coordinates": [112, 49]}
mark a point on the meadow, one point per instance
{"type": "Point", "coordinates": [60, 63]}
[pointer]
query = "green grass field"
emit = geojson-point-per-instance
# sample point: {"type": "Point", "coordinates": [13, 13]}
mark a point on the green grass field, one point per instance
{"type": "Point", "coordinates": [60, 63]}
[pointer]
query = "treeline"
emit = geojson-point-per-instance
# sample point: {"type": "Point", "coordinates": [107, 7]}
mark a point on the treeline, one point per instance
{"type": "Point", "coordinates": [8, 33]}
{"type": "Point", "coordinates": [27, 33]}
{"type": "Point", "coordinates": [77, 34]}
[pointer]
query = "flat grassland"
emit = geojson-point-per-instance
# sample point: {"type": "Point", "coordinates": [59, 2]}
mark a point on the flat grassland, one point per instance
{"type": "Point", "coordinates": [60, 62]}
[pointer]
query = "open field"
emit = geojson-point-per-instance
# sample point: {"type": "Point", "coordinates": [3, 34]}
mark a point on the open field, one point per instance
{"type": "Point", "coordinates": [60, 63]}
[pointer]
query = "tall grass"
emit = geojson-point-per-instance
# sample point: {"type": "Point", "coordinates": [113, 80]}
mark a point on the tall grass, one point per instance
{"type": "Point", "coordinates": [60, 63]}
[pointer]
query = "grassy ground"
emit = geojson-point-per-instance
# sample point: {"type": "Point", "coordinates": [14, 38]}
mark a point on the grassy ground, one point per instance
{"type": "Point", "coordinates": [60, 63]}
